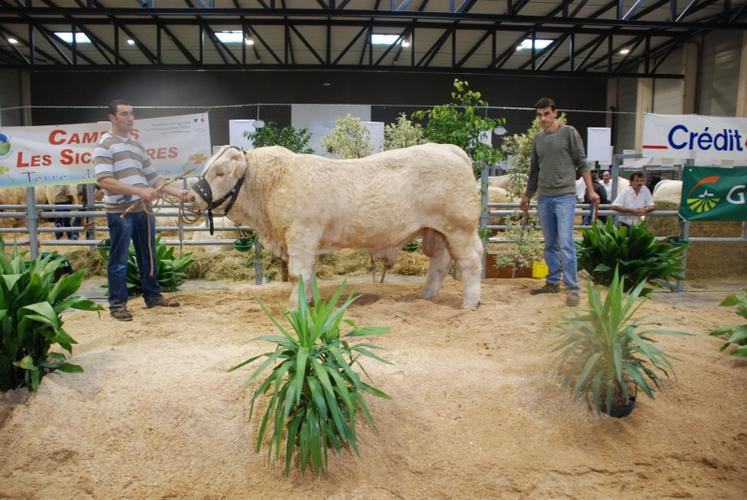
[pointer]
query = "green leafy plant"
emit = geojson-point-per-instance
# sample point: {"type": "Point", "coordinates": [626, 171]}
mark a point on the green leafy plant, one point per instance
{"type": "Point", "coordinates": [315, 396]}
{"type": "Point", "coordinates": [297, 140]}
{"type": "Point", "coordinates": [402, 133]}
{"type": "Point", "coordinates": [736, 334]}
{"type": "Point", "coordinates": [171, 269]}
{"type": "Point", "coordinates": [31, 305]}
{"type": "Point", "coordinates": [350, 138]}
{"type": "Point", "coordinates": [412, 246]}
{"type": "Point", "coordinates": [604, 357]}
{"type": "Point", "coordinates": [463, 122]}
{"type": "Point", "coordinates": [634, 250]}
{"type": "Point", "coordinates": [523, 246]}
{"type": "Point", "coordinates": [518, 150]}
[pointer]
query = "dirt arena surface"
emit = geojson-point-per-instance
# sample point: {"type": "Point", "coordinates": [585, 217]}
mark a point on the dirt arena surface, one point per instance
{"type": "Point", "coordinates": [475, 412]}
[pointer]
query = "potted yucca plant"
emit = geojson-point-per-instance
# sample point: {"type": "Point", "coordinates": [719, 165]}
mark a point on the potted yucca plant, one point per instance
{"type": "Point", "coordinates": [604, 357]}
{"type": "Point", "coordinates": [315, 395]}
{"type": "Point", "coordinates": [736, 335]}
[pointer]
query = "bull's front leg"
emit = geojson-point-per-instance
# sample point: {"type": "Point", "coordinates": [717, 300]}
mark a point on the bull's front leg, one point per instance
{"type": "Point", "coordinates": [301, 261]}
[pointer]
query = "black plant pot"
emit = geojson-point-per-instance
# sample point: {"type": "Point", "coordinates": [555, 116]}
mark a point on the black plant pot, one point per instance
{"type": "Point", "coordinates": [621, 410]}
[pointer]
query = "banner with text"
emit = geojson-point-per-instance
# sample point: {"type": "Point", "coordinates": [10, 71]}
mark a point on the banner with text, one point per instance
{"type": "Point", "coordinates": [61, 154]}
{"type": "Point", "coordinates": [695, 137]}
{"type": "Point", "coordinates": [713, 193]}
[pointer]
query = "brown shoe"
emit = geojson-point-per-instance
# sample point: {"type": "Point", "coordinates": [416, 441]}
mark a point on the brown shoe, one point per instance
{"type": "Point", "coordinates": [162, 302]}
{"type": "Point", "coordinates": [121, 313]}
{"type": "Point", "coordinates": [572, 298]}
{"type": "Point", "coordinates": [548, 288]}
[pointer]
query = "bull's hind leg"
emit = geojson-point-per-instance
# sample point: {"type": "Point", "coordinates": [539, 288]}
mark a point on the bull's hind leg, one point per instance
{"type": "Point", "coordinates": [467, 251]}
{"type": "Point", "coordinates": [434, 246]}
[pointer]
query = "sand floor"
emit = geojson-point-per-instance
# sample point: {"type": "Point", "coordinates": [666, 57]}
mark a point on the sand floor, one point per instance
{"type": "Point", "coordinates": [475, 411]}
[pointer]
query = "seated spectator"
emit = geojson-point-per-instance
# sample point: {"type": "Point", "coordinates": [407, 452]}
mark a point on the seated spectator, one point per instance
{"type": "Point", "coordinates": [635, 201]}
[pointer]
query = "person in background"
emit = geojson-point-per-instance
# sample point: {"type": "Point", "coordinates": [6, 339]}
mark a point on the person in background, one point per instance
{"type": "Point", "coordinates": [603, 199]}
{"type": "Point", "coordinates": [580, 187]}
{"type": "Point", "coordinates": [131, 185]}
{"type": "Point", "coordinates": [64, 194]}
{"type": "Point", "coordinates": [607, 183]}
{"type": "Point", "coordinates": [634, 202]}
{"type": "Point", "coordinates": [557, 152]}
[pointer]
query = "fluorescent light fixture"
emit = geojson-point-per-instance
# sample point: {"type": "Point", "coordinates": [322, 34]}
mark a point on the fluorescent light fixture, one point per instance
{"type": "Point", "coordinates": [500, 130]}
{"type": "Point", "coordinates": [67, 36]}
{"type": "Point", "coordinates": [130, 41]}
{"type": "Point", "coordinates": [539, 43]}
{"type": "Point", "coordinates": [624, 51]}
{"type": "Point", "coordinates": [12, 41]}
{"type": "Point", "coordinates": [235, 36]}
{"type": "Point", "coordinates": [382, 39]}
{"type": "Point", "coordinates": [249, 41]}
{"type": "Point", "coordinates": [405, 43]}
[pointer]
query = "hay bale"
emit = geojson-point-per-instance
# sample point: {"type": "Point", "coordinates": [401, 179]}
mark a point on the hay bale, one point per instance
{"type": "Point", "coordinates": [411, 264]}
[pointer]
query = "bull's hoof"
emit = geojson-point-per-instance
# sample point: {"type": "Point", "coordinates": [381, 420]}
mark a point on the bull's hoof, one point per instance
{"type": "Point", "coordinates": [471, 305]}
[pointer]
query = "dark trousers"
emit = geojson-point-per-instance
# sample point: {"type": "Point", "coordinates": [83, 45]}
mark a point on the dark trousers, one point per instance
{"type": "Point", "coordinates": [134, 227]}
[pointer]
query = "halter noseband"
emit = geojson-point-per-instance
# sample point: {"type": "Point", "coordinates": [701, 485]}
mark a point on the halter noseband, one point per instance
{"type": "Point", "coordinates": [203, 190]}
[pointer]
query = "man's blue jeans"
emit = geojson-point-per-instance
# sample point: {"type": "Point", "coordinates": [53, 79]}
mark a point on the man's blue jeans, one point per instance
{"type": "Point", "coordinates": [556, 215]}
{"type": "Point", "coordinates": [134, 226]}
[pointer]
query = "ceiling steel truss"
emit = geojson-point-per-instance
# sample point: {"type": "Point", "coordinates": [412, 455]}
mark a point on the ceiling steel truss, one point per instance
{"type": "Point", "coordinates": [599, 37]}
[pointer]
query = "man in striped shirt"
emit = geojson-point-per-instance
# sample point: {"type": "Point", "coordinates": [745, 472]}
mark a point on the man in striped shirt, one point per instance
{"type": "Point", "coordinates": [130, 182]}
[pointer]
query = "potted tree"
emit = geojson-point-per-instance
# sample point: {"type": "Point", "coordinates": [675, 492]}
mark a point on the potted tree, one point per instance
{"type": "Point", "coordinates": [604, 356]}
{"type": "Point", "coordinates": [523, 247]}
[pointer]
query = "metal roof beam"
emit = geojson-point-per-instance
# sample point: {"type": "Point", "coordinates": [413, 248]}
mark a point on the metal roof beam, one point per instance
{"type": "Point", "coordinates": [121, 13]}
{"type": "Point", "coordinates": [307, 44]}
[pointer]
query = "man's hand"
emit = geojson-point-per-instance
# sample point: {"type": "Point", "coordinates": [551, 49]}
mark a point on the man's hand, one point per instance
{"type": "Point", "coordinates": [594, 197]}
{"type": "Point", "coordinates": [525, 203]}
{"type": "Point", "coordinates": [148, 194]}
{"type": "Point", "coordinates": [182, 194]}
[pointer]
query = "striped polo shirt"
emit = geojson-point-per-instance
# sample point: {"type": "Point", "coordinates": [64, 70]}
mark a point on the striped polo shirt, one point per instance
{"type": "Point", "coordinates": [124, 159]}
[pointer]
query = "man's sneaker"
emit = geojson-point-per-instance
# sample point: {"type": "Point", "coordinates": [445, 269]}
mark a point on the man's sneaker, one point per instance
{"type": "Point", "coordinates": [571, 298]}
{"type": "Point", "coordinates": [121, 313]}
{"type": "Point", "coordinates": [162, 302]}
{"type": "Point", "coordinates": [548, 288]}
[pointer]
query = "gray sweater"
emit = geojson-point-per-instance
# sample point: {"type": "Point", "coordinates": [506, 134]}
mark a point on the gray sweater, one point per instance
{"type": "Point", "coordinates": [555, 158]}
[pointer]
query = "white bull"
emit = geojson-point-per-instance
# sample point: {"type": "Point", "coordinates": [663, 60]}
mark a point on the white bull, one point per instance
{"type": "Point", "coordinates": [305, 205]}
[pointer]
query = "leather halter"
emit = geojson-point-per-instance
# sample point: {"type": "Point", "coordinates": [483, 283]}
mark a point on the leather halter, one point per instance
{"type": "Point", "coordinates": [203, 190]}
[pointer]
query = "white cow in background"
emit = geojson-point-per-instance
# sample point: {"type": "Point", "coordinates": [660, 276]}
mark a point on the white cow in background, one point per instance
{"type": "Point", "coordinates": [305, 205]}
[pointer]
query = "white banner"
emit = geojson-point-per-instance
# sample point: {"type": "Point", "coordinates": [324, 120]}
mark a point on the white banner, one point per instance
{"type": "Point", "coordinates": [697, 137]}
{"type": "Point", "coordinates": [61, 154]}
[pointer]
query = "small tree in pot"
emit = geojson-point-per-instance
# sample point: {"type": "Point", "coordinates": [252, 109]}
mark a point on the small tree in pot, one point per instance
{"type": "Point", "coordinates": [605, 358]}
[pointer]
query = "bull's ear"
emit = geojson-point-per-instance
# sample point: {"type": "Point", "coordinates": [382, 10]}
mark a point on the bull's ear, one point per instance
{"type": "Point", "coordinates": [238, 163]}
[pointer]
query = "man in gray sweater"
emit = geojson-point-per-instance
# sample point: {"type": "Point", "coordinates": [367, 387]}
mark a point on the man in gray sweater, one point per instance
{"type": "Point", "coordinates": [557, 152]}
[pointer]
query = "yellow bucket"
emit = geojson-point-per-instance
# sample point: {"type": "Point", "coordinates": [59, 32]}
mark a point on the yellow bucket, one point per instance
{"type": "Point", "coordinates": [539, 269]}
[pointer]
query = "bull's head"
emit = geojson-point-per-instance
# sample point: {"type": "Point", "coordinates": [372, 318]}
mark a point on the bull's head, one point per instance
{"type": "Point", "coordinates": [220, 180]}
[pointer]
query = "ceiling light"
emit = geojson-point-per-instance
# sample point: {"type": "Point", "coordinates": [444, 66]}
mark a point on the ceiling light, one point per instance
{"type": "Point", "coordinates": [12, 41]}
{"type": "Point", "coordinates": [235, 36]}
{"type": "Point", "coordinates": [624, 51]}
{"type": "Point", "coordinates": [67, 36]}
{"type": "Point", "coordinates": [130, 41]}
{"type": "Point", "coordinates": [539, 43]}
{"type": "Point", "coordinates": [383, 39]}
{"type": "Point", "coordinates": [405, 43]}
{"type": "Point", "coordinates": [249, 41]}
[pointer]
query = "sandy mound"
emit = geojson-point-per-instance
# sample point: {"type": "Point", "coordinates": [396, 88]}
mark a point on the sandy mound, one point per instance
{"type": "Point", "coordinates": [475, 413]}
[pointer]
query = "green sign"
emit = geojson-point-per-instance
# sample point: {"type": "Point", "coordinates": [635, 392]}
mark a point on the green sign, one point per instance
{"type": "Point", "coordinates": [713, 193]}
